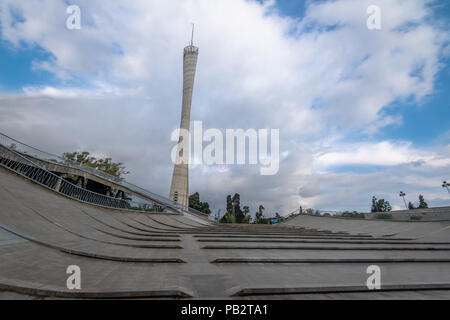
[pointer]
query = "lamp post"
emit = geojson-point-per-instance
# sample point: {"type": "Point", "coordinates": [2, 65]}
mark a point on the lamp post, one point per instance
{"type": "Point", "coordinates": [402, 194]}
{"type": "Point", "coordinates": [446, 185]}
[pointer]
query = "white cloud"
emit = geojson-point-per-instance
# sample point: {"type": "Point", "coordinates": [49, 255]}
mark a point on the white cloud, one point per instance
{"type": "Point", "coordinates": [101, 90]}
{"type": "Point", "coordinates": [256, 69]}
{"type": "Point", "coordinates": [51, 92]}
{"type": "Point", "coordinates": [387, 120]}
{"type": "Point", "coordinates": [380, 154]}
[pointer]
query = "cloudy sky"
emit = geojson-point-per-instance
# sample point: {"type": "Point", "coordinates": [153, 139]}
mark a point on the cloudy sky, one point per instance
{"type": "Point", "coordinates": [361, 112]}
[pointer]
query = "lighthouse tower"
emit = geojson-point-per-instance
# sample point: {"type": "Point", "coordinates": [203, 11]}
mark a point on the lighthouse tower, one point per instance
{"type": "Point", "coordinates": [179, 190]}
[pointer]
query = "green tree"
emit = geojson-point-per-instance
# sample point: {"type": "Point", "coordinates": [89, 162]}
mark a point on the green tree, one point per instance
{"type": "Point", "coordinates": [259, 214]}
{"type": "Point", "coordinates": [229, 204]}
{"type": "Point", "coordinates": [383, 206]}
{"type": "Point", "coordinates": [423, 204]}
{"type": "Point", "coordinates": [247, 219]}
{"type": "Point", "coordinates": [116, 169]}
{"type": "Point", "coordinates": [237, 212]}
{"type": "Point", "coordinates": [411, 206]}
{"type": "Point", "coordinates": [380, 205]}
{"type": "Point", "coordinates": [195, 203]}
{"type": "Point", "coordinates": [374, 205]}
{"type": "Point", "coordinates": [227, 218]}
{"type": "Point", "coordinates": [245, 212]}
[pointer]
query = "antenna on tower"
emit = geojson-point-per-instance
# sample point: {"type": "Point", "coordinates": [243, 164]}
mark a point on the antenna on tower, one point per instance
{"type": "Point", "coordinates": [192, 38]}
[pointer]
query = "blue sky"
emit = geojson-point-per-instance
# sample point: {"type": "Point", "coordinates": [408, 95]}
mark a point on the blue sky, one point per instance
{"type": "Point", "coordinates": [17, 68]}
{"type": "Point", "coordinates": [276, 78]}
{"type": "Point", "coordinates": [292, 8]}
{"type": "Point", "coordinates": [427, 121]}
{"type": "Point", "coordinates": [423, 123]}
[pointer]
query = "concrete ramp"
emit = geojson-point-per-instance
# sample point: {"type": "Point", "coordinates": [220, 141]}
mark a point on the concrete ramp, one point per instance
{"type": "Point", "coordinates": [433, 230]}
{"type": "Point", "coordinates": [131, 254]}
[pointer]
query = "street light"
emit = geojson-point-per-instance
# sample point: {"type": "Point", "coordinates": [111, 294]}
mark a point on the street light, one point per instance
{"type": "Point", "coordinates": [446, 185]}
{"type": "Point", "coordinates": [402, 194]}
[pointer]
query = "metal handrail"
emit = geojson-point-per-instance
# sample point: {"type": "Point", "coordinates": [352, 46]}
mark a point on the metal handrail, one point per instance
{"type": "Point", "coordinates": [25, 149]}
{"type": "Point", "coordinates": [23, 166]}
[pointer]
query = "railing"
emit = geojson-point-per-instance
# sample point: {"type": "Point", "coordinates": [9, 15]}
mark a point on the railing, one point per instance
{"type": "Point", "coordinates": [27, 168]}
{"type": "Point", "coordinates": [312, 212]}
{"type": "Point", "coordinates": [25, 150]}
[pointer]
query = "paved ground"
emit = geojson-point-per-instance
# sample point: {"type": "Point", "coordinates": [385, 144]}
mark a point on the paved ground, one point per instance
{"type": "Point", "coordinates": [132, 255]}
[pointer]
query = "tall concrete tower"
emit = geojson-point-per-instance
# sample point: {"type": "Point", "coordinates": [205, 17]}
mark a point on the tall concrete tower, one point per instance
{"type": "Point", "coordinates": [179, 190]}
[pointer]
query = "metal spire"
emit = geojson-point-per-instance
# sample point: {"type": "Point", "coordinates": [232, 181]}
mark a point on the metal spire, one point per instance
{"type": "Point", "coordinates": [192, 38]}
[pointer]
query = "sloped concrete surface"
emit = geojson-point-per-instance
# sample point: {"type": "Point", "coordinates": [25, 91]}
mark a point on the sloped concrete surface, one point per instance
{"type": "Point", "coordinates": [142, 255]}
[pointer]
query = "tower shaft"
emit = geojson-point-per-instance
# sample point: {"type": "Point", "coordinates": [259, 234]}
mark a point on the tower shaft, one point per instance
{"type": "Point", "coordinates": [179, 190]}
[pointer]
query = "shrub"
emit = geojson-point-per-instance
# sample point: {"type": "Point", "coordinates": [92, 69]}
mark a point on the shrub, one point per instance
{"type": "Point", "coordinates": [354, 214]}
{"type": "Point", "coordinates": [415, 218]}
{"type": "Point", "coordinates": [383, 216]}
{"type": "Point", "coordinates": [228, 218]}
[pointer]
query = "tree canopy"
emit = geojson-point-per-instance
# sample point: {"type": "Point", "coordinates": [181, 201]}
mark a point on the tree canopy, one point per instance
{"type": "Point", "coordinates": [234, 212]}
{"type": "Point", "coordinates": [259, 214]}
{"type": "Point", "coordinates": [422, 203]}
{"type": "Point", "coordinates": [381, 205]}
{"type": "Point", "coordinates": [116, 169]}
{"type": "Point", "coordinates": [195, 203]}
